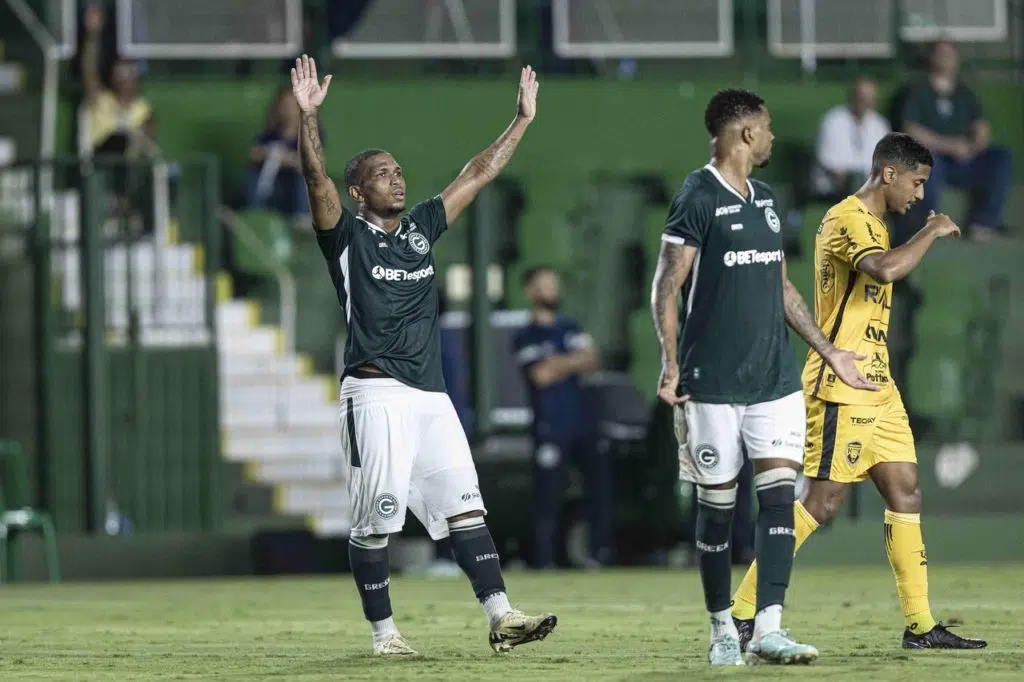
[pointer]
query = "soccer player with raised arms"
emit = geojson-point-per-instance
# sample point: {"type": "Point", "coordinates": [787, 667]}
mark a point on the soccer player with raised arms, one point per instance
{"type": "Point", "coordinates": [731, 374]}
{"type": "Point", "coordinates": [853, 435]}
{"type": "Point", "coordinates": [401, 436]}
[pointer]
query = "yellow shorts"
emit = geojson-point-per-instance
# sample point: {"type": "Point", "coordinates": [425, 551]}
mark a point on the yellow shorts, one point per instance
{"type": "Point", "coordinates": [845, 441]}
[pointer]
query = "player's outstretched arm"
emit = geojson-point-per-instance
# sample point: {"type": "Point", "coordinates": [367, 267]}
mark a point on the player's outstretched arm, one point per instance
{"type": "Point", "coordinates": [895, 264]}
{"type": "Point", "coordinates": [310, 93]}
{"type": "Point", "coordinates": [798, 317]}
{"type": "Point", "coordinates": [673, 268]}
{"type": "Point", "coordinates": [486, 165]}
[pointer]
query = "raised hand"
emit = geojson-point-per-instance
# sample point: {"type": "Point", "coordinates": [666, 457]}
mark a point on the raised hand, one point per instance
{"type": "Point", "coordinates": [93, 19]}
{"type": "Point", "coordinates": [308, 90]}
{"type": "Point", "coordinates": [844, 364]}
{"type": "Point", "coordinates": [942, 224]}
{"type": "Point", "coordinates": [528, 86]}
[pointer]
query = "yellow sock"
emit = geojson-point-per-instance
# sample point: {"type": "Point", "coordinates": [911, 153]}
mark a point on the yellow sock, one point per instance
{"type": "Point", "coordinates": [905, 549]}
{"type": "Point", "coordinates": [744, 602]}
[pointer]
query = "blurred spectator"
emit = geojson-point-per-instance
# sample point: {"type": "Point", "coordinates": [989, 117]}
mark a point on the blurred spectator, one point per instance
{"type": "Point", "coordinates": [945, 115]}
{"type": "Point", "coordinates": [117, 118]}
{"type": "Point", "coordinates": [553, 351]}
{"type": "Point", "coordinates": [275, 171]}
{"type": "Point", "coordinates": [846, 139]}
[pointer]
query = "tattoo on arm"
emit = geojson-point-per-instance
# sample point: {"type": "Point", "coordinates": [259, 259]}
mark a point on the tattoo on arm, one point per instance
{"type": "Point", "coordinates": [800, 319]}
{"type": "Point", "coordinates": [481, 170]}
{"type": "Point", "coordinates": [490, 162]}
{"type": "Point", "coordinates": [323, 195]}
{"type": "Point", "coordinates": [671, 271]}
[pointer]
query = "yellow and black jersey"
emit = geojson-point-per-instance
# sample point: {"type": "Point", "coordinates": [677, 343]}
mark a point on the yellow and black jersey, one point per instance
{"type": "Point", "coordinates": [851, 308]}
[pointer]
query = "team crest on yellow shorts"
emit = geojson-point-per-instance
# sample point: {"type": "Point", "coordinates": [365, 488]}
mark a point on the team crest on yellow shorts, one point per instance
{"type": "Point", "coordinates": [853, 449]}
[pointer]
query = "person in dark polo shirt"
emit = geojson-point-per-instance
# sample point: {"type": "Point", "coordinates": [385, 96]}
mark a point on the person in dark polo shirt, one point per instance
{"type": "Point", "coordinates": [552, 352]}
{"type": "Point", "coordinates": [943, 114]}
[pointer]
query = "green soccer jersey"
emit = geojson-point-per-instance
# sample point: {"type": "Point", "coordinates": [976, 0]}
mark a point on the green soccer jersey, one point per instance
{"type": "Point", "coordinates": [734, 345]}
{"type": "Point", "coordinates": [385, 284]}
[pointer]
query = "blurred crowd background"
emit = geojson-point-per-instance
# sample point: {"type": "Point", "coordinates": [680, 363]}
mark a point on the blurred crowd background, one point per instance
{"type": "Point", "coordinates": [170, 340]}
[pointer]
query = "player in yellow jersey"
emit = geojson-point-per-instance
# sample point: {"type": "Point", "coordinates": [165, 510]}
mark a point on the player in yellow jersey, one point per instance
{"type": "Point", "coordinates": [856, 434]}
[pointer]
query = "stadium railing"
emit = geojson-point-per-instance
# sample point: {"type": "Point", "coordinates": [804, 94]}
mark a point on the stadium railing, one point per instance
{"type": "Point", "coordinates": [108, 342]}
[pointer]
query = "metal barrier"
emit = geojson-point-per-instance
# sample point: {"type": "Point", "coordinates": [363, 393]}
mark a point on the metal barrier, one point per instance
{"type": "Point", "coordinates": [108, 344]}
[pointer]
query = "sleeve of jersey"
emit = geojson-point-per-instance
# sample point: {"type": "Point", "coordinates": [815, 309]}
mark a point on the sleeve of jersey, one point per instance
{"type": "Point", "coordinates": [430, 217]}
{"type": "Point", "coordinates": [526, 352]}
{"type": "Point", "coordinates": [333, 241]}
{"type": "Point", "coordinates": [577, 339]}
{"type": "Point", "coordinates": [689, 218]}
{"type": "Point", "coordinates": [852, 239]}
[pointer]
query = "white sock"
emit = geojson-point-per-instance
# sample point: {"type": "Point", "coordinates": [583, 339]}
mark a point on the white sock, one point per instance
{"type": "Point", "coordinates": [496, 606]}
{"type": "Point", "coordinates": [768, 619]}
{"type": "Point", "coordinates": [382, 629]}
{"type": "Point", "coordinates": [722, 625]}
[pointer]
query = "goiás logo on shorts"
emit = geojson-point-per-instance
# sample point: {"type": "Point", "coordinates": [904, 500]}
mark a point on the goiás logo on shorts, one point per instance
{"type": "Point", "coordinates": [386, 505]}
{"type": "Point", "coordinates": [397, 275]}
{"type": "Point", "coordinates": [751, 257]}
{"type": "Point", "coordinates": [706, 456]}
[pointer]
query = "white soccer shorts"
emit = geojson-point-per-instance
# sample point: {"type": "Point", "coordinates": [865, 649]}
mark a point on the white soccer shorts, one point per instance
{"type": "Point", "coordinates": [712, 437]}
{"type": "Point", "coordinates": [406, 449]}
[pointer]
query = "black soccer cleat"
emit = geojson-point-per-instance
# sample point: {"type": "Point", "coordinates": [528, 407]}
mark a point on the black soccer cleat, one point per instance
{"type": "Point", "coordinates": [745, 628]}
{"type": "Point", "coordinates": [939, 637]}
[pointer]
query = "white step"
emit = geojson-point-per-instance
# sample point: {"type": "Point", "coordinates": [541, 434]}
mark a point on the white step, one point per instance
{"type": "Point", "coordinates": [234, 366]}
{"type": "Point", "coordinates": [282, 446]}
{"type": "Point", "coordinates": [331, 524]}
{"type": "Point", "coordinates": [262, 340]}
{"type": "Point", "coordinates": [302, 393]}
{"type": "Point", "coordinates": [319, 496]}
{"type": "Point", "coordinates": [236, 315]}
{"type": "Point", "coordinates": [267, 414]}
{"type": "Point", "coordinates": [290, 470]}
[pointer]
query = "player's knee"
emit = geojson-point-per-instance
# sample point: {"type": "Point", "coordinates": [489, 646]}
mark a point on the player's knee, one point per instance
{"type": "Point", "coordinates": [905, 500]}
{"type": "Point", "coordinates": [824, 504]}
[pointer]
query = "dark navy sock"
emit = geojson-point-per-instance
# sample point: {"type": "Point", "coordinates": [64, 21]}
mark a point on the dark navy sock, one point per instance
{"type": "Point", "coordinates": [775, 537]}
{"type": "Point", "coordinates": [371, 573]}
{"type": "Point", "coordinates": [714, 530]}
{"type": "Point", "coordinates": [474, 551]}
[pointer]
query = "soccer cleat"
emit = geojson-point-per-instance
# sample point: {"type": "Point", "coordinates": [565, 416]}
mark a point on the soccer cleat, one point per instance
{"type": "Point", "coordinates": [745, 628]}
{"type": "Point", "coordinates": [393, 645]}
{"type": "Point", "coordinates": [725, 651]}
{"type": "Point", "coordinates": [515, 628]}
{"type": "Point", "coordinates": [778, 648]}
{"type": "Point", "coordinates": [939, 637]}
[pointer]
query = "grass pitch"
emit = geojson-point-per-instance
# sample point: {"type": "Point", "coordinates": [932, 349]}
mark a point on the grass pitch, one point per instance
{"type": "Point", "coordinates": [613, 625]}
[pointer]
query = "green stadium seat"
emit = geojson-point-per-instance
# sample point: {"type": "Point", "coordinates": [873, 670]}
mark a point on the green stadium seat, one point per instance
{"type": "Point", "coordinates": [17, 516]}
{"type": "Point", "coordinates": [264, 244]}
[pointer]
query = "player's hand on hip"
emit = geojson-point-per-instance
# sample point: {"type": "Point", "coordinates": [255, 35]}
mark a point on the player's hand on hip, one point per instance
{"type": "Point", "coordinates": [308, 90]}
{"type": "Point", "coordinates": [942, 224]}
{"type": "Point", "coordinates": [668, 385]}
{"type": "Point", "coordinates": [528, 85]}
{"type": "Point", "coordinates": [844, 364]}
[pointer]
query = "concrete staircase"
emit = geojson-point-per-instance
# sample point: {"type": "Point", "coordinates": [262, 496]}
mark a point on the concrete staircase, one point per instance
{"type": "Point", "coordinates": [279, 420]}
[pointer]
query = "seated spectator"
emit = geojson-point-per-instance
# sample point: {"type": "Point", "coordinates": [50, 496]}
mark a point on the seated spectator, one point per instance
{"type": "Point", "coordinates": [275, 171]}
{"type": "Point", "coordinates": [846, 139]}
{"type": "Point", "coordinates": [945, 115]}
{"type": "Point", "coordinates": [118, 119]}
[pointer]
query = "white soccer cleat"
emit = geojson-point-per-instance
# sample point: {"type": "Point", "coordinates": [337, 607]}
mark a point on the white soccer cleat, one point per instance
{"type": "Point", "coordinates": [393, 645]}
{"type": "Point", "coordinates": [725, 651]}
{"type": "Point", "coordinates": [515, 628]}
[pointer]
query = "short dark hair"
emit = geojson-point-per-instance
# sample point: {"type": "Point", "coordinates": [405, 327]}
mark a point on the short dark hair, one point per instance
{"type": "Point", "coordinates": [354, 167]}
{"type": "Point", "coordinates": [532, 273]}
{"type": "Point", "coordinates": [900, 149]}
{"type": "Point", "coordinates": [730, 105]}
